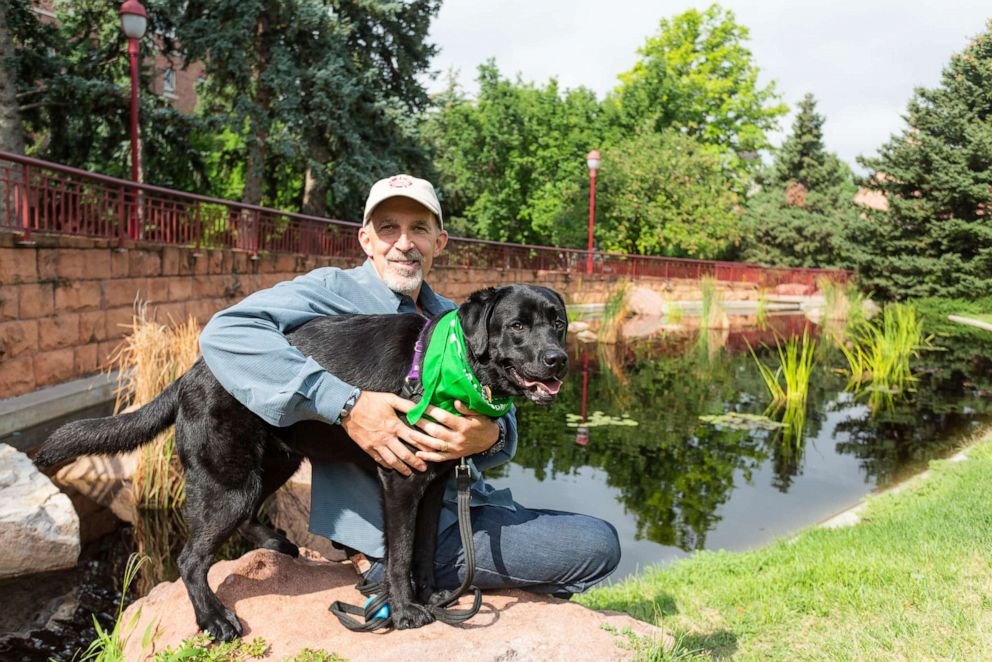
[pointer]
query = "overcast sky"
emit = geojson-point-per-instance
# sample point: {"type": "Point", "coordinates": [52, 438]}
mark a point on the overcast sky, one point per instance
{"type": "Point", "coordinates": [861, 59]}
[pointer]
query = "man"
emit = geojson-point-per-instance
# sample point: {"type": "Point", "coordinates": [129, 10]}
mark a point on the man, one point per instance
{"type": "Point", "coordinates": [245, 347]}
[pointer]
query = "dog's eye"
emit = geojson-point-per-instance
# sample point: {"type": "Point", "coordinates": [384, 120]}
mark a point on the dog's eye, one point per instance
{"type": "Point", "coordinates": [517, 326]}
{"type": "Point", "coordinates": [559, 325]}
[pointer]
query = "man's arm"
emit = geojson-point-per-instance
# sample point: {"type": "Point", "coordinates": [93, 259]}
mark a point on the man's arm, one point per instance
{"type": "Point", "coordinates": [246, 349]}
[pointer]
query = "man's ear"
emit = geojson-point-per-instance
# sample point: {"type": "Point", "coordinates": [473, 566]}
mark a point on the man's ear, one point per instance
{"type": "Point", "coordinates": [365, 239]}
{"type": "Point", "coordinates": [475, 314]}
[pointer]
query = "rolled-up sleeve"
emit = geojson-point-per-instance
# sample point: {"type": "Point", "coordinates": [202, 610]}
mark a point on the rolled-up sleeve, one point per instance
{"type": "Point", "coordinates": [246, 348]}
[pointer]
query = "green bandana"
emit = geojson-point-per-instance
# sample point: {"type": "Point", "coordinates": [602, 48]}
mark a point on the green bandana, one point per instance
{"type": "Point", "coordinates": [447, 376]}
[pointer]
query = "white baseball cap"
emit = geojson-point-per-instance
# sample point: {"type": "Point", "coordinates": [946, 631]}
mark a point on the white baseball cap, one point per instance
{"type": "Point", "coordinates": [404, 186]}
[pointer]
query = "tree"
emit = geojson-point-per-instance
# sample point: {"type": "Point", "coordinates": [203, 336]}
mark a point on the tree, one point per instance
{"type": "Point", "coordinates": [805, 209]}
{"type": "Point", "coordinates": [663, 194]}
{"type": "Point", "coordinates": [73, 93]}
{"type": "Point", "coordinates": [935, 239]}
{"type": "Point", "coordinates": [319, 91]}
{"type": "Point", "coordinates": [509, 161]}
{"type": "Point", "coordinates": [697, 75]}
{"type": "Point", "coordinates": [11, 133]}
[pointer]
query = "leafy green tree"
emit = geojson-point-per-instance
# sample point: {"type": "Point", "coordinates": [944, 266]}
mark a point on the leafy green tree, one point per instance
{"type": "Point", "coordinates": [318, 92]}
{"type": "Point", "coordinates": [697, 74]}
{"type": "Point", "coordinates": [510, 160]}
{"type": "Point", "coordinates": [662, 194]}
{"type": "Point", "coordinates": [935, 239]}
{"type": "Point", "coordinates": [805, 209]}
{"type": "Point", "coordinates": [73, 83]}
{"type": "Point", "coordinates": [11, 132]}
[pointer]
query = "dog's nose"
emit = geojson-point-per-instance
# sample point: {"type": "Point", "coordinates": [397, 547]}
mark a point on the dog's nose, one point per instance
{"type": "Point", "coordinates": [554, 358]}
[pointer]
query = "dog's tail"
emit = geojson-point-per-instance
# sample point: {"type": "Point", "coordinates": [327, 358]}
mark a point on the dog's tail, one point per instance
{"type": "Point", "coordinates": [112, 434]}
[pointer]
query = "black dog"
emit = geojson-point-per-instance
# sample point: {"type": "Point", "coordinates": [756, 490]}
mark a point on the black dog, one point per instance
{"type": "Point", "coordinates": [233, 460]}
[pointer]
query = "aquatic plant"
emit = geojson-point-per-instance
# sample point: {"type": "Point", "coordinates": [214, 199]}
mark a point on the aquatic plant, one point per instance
{"type": "Point", "coordinates": [152, 356]}
{"type": "Point", "coordinates": [795, 365]}
{"type": "Point", "coordinates": [880, 354]}
{"type": "Point", "coordinates": [710, 295]}
{"type": "Point", "coordinates": [796, 357]}
{"type": "Point", "coordinates": [761, 311]}
{"type": "Point", "coordinates": [674, 312]}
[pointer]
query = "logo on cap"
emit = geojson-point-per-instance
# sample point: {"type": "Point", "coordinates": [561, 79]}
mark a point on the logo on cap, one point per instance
{"type": "Point", "coordinates": [400, 181]}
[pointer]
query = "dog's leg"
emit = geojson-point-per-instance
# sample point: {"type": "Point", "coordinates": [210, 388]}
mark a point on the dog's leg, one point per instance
{"type": "Point", "coordinates": [277, 467]}
{"type": "Point", "coordinates": [426, 543]}
{"type": "Point", "coordinates": [213, 512]}
{"type": "Point", "coordinates": [401, 497]}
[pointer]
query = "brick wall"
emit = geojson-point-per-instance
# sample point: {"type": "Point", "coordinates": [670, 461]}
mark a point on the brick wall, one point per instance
{"type": "Point", "coordinates": [65, 302]}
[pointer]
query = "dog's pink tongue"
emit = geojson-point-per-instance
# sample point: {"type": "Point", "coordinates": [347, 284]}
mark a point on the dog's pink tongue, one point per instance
{"type": "Point", "coordinates": [551, 386]}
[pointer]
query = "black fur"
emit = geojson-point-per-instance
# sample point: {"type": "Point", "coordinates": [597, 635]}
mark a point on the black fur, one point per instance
{"type": "Point", "coordinates": [233, 460]}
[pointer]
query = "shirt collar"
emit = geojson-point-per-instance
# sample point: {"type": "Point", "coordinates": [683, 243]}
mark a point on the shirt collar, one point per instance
{"type": "Point", "coordinates": [429, 301]}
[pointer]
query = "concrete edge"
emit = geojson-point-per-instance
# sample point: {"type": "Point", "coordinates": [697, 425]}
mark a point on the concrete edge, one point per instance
{"type": "Point", "coordinates": [45, 404]}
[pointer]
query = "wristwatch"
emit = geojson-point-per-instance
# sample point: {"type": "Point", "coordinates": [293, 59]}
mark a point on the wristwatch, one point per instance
{"type": "Point", "coordinates": [348, 405]}
{"type": "Point", "coordinates": [501, 442]}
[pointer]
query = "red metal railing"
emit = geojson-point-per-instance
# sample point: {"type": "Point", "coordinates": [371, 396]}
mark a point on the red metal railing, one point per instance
{"type": "Point", "coordinates": [38, 196]}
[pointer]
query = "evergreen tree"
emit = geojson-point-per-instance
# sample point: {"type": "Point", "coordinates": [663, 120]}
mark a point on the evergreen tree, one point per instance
{"type": "Point", "coordinates": [805, 208]}
{"type": "Point", "coordinates": [318, 91]}
{"type": "Point", "coordinates": [935, 239]}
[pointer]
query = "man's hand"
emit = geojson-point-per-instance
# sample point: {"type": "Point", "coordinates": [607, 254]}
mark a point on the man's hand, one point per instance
{"type": "Point", "coordinates": [375, 425]}
{"type": "Point", "coordinates": [456, 436]}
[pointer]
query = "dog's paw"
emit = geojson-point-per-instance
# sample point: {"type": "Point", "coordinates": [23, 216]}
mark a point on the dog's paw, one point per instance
{"type": "Point", "coordinates": [222, 626]}
{"type": "Point", "coordinates": [408, 617]}
{"type": "Point", "coordinates": [283, 546]}
{"type": "Point", "coordinates": [440, 598]}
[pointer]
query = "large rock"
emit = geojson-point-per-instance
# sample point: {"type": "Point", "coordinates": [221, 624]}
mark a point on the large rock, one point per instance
{"type": "Point", "coordinates": [38, 525]}
{"type": "Point", "coordinates": [285, 600]}
{"type": "Point", "coordinates": [645, 302]}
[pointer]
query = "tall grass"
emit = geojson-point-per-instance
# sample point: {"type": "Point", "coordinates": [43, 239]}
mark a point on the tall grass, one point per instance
{"type": "Point", "coordinates": [614, 313]}
{"type": "Point", "coordinates": [710, 294]}
{"type": "Point", "coordinates": [150, 358]}
{"type": "Point", "coordinates": [795, 365]}
{"type": "Point", "coordinates": [880, 354]}
{"type": "Point", "coordinates": [761, 311]}
{"type": "Point", "coordinates": [109, 646]}
{"type": "Point", "coordinates": [788, 384]}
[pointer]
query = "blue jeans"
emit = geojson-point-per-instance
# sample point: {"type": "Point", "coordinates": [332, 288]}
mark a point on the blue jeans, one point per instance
{"type": "Point", "coordinates": [543, 551]}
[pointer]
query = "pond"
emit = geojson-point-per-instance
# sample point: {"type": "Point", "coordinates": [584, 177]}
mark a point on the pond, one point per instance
{"type": "Point", "coordinates": [645, 461]}
{"type": "Point", "coordinates": [674, 484]}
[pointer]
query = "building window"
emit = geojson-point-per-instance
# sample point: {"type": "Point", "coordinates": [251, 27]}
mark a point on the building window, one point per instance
{"type": "Point", "coordinates": [169, 82]}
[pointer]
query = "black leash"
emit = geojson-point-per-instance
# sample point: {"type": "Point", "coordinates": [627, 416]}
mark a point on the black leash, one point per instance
{"type": "Point", "coordinates": [369, 612]}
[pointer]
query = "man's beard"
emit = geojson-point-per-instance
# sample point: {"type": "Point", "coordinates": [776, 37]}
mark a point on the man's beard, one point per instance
{"type": "Point", "coordinates": [399, 278]}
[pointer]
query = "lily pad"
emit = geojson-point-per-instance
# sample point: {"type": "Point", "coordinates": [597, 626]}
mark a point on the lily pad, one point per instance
{"type": "Point", "coordinates": [599, 419]}
{"type": "Point", "coordinates": [740, 421]}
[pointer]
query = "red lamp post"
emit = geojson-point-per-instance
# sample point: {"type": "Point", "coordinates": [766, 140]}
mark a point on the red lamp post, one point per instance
{"type": "Point", "coordinates": [592, 160]}
{"type": "Point", "coordinates": [134, 21]}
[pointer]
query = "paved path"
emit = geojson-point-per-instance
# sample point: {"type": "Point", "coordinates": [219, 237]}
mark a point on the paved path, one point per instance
{"type": "Point", "coordinates": [970, 322]}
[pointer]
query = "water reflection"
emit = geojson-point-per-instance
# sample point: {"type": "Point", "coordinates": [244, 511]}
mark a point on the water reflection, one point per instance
{"type": "Point", "coordinates": [685, 485]}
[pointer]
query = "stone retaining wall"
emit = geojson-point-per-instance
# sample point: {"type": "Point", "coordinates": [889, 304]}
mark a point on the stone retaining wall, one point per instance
{"type": "Point", "coordinates": [65, 302]}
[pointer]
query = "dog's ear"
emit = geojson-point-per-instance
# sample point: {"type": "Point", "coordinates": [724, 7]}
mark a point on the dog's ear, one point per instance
{"type": "Point", "coordinates": [474, 315]}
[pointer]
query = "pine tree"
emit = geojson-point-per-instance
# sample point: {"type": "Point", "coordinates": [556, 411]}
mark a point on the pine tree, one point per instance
{"type": "Point", "coordinates": [935, 239]}
{"type": "Point", "coordinates": [804, 211]}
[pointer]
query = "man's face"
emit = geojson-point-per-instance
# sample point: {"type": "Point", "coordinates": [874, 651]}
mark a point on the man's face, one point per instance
{"type": "Point", "coordinates": [402, 237]}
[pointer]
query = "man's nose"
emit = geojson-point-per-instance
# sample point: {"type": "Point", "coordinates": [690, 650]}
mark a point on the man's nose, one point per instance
{"type": "Point", "coordinates": [404, 242]}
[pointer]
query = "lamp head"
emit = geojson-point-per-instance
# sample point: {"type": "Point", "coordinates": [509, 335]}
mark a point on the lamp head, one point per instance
{"type": "Point", "coordinates": [134, 19]}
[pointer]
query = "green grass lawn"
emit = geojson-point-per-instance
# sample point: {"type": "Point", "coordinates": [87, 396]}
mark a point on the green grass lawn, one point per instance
{"type": "Point", "coordinates": [912, 581]}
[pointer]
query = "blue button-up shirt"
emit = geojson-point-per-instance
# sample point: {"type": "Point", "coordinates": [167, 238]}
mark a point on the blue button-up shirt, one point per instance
{"type": "Point", "coordinates": [247, 351]}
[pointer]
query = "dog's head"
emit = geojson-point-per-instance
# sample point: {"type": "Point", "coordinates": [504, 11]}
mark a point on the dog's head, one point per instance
{"type": "Point", "coordinates": [516, 340]}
